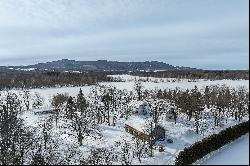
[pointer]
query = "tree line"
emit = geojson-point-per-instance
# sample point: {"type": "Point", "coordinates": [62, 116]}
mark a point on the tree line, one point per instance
{"type": "Point", "coordinates": [197, 74]}
{"type": "Point", "coordinates": [213, 102]}
{"type": "Point", "coordinates": [39, 79]}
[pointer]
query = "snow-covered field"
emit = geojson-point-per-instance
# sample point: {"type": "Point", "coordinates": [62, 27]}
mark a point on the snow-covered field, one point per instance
{"type": "Point", "coordinates": [152, 83]}
{"type": "Point", "coordinates": [172, 83]}
{"type": "Point", "coordinates": [236, 153]}
{"type": "Point", "coordinates": [181, 133]}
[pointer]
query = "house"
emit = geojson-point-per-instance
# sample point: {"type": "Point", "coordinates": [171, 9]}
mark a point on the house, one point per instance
{"type": "Point", "coordinates": [141, 108]}
{"type": "Point", "coordinates": [137, 133]}
{"type": "Point", "coordinates": [44, 111]}
{"type": "Point", "coordinates": [170, 115]}
{"type": "Point", "coordinates": [159, 133]}
{"type": "Point", "coordinates": [136, 126]}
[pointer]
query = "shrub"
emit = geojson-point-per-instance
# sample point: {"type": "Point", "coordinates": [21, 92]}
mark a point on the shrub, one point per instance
{"type": "Point", "coordinates": [211, 143]}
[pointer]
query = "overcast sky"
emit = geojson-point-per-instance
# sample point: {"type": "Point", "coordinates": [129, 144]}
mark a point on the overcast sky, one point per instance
{"type": "Point", "coordinates": [208, 34]}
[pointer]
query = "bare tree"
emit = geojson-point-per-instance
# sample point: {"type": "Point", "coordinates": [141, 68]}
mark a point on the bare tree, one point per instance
{"type": "Point", "coordinates": [47, 148]}
{"type": "Point", "coordinates": [141, 148]}
{"type": "Point", "coordinates": [80, 124]}
{"type": "Point", "coordinates": [26, 99]}
{"type": "Point", "coordinates": [139, 88]}
{"type": "Point", "coordinates": [38, 100]}
{"type": "Point", "coordinates": [207, 96]}
{"type": "Point", "coordinates": [59, 99]}
{"type": "Point", "coordinates": [15, 139]}
{"type": "Point", "coordinates": [107, 100]}
{"type": "Point", "coordinates": [57, 102]}
{"type": "Point", "coordinates": [125, 152]}
{"type": "Point", "coordinates": [197, 106]}
{"type": "Point", "coordinates": [98, 156]}
{"type": "Point", "coordinates": [149, 127]}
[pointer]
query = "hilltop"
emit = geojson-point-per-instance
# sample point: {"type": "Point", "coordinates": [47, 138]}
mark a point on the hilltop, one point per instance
{"type": "Point", "coordinates": [101, 65]}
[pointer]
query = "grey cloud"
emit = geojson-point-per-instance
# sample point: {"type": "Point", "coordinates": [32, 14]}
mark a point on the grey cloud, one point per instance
{"type": "Point", "coordinates": [189, 33]}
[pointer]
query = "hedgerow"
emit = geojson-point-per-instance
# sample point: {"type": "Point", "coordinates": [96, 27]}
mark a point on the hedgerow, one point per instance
{"type": "Point", "coordinates": [211, 143]}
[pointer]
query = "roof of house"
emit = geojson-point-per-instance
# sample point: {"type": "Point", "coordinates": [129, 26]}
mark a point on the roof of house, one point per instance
{"type": "Point", "coordinates": [138, 122]}
{"type": "Point", "coordinates": [39, 110]}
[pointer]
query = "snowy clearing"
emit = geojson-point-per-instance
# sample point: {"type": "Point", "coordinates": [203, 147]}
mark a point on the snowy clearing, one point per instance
{"type": "Point", "coordinates": [172, 83]}
{"type": "Point", "coordinates": [128, 84]}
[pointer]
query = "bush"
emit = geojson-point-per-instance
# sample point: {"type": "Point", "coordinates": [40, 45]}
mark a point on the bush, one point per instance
{"type": "Point", "coordinates": [59, 99]}
{"type": "Point", "coordinates": [211, 143]}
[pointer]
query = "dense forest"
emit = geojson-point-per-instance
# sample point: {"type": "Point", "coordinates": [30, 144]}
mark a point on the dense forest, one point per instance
{"type": "Point", "coordinates": [38, 79]}
{"type": "Point", "coordinates": [197, 74]}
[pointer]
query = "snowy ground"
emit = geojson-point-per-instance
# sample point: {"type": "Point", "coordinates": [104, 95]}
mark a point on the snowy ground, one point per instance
{"type": "Point", "coordinates": [172, 83]}
{"type": "Point", "coordinates": [181, 133]}
{"type": "Point", "coordinates": [128, 84]}
{"type": "Point", "coordinates": [236, 153]}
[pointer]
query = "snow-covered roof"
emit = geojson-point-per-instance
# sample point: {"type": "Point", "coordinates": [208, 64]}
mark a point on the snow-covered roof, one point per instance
{"type": "Point", "coordinates": [138, 123]}
{"type": "Point", "coordinates": [38, 110]}
{"type": "Point", "coordinates": [136, 104]}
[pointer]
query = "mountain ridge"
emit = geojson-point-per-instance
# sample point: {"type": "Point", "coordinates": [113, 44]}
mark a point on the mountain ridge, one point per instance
{"type": "Point", "coordinates": [101, 65]}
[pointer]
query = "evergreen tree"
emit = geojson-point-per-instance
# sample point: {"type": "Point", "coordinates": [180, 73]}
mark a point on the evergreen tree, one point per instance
{"type": "Point", "coordinates": [70, 108]}
{"type": "Point", "coordinates": [81, 103]}
{"type": "Point", "coordinates": [207, 96]}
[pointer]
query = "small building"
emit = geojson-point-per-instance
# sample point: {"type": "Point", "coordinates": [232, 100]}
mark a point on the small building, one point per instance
{"type": "Point", "coordinates": [137, 133]}
{"type": "Point", "coordinates": [45, 111]}
{"type": "Point", "coordinates": [141, 108]}
{"type": "Point", "coordinates": [170, 116]}
{"type": "Point", "coordinates": [136, 127]}
{"type": "Point", "coordinates": [159, 133]}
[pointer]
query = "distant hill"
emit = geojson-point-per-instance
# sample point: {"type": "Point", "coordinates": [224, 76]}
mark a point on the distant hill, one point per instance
{"type": "Point", "coordinates": [100, 65]}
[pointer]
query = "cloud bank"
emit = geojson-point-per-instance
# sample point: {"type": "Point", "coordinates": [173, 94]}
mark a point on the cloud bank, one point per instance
{"type": "Point", "coordinates": [208, 34]}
